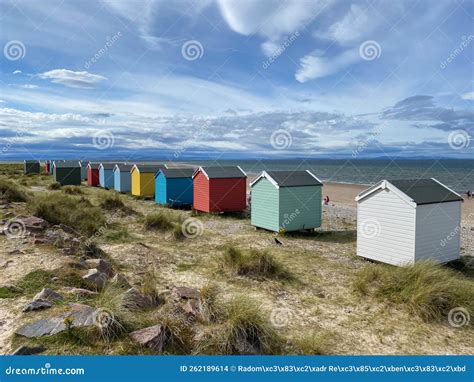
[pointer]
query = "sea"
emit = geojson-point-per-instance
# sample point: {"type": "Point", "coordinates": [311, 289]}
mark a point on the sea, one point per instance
{"type": "Point", "coordinates": [456, 174]}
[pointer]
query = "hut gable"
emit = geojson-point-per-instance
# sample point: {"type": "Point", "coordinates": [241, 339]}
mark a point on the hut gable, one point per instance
{"type": "Point", "coordinates": [400, 222]}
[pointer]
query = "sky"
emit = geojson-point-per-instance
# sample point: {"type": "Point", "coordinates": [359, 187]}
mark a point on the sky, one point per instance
{"type": "Point", "coordinates": [207, 79]}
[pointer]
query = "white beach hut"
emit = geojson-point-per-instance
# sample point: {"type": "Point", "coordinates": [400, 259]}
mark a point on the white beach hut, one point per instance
{"type": "Point", "coordinates": [400, 222]}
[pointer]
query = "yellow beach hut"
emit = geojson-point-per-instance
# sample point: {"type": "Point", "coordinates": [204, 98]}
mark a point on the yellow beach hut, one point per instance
{"type": "Point", "coordinates": [143, 179]}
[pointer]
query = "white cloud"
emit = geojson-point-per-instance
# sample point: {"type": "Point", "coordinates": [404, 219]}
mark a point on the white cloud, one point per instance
{"type": "Point", "coordinates": [17, 72]}
{"type": "Point", "coordinates": [468, 96]}
{"type": "Point", "coordinates": [28, 86]}
{"type": "Point", "coordinates": [315, 66]}
{"type": "Point", "coordinates": [357, 22]}
{"type": "Point", "coordinates": [72, 79]}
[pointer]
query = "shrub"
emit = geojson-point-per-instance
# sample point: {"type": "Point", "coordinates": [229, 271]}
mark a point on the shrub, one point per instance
{"type": "Point", "coordinates": [149, 285]}
{"type": "Point", "coordinates": [212, 310]}
{"type": "Point", "coordinates": [11, 191]}
{"type": "Point", "coordinates": [255, 264]}
{"type": "Point", "coordinates": [428, 290]}
{"type": "Point", "coordinates": [54, 186]}
{"type": "Point", "coordinates": [72, 190]}
{"type": "Point", "coordinates": [245, 330]}
{"type": "Point", "coordinates": [77, 213]}
{"type": "Point", "coordinates": [161, 221]}
{"type": "Point", "coordinates": [111, 202]}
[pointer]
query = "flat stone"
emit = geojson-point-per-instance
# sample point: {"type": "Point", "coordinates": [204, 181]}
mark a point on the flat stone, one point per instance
{"type": "Point", "coordinates": [192, 307]}
{"type": "Point", "coordinates": [152, 337]}
{"type": "Point", "coordinates": [28, 350]}
{"type": "Point", "coordinates": [34, 223]}
{"type": "Point", "coordinates": [95, 278]}
{"type": "Point", "coordinates": [37, 305]}
{"type": "Point", "coordinates": [16, 252]}
{"type": "Point", "coordinates": [101, 265]}
{"type": "Point", "coordinates": [81, 315]}
{"type": "Point", "coordinates": [48, 294]}
{"type": "Point", "coordinates": [134, 299]}
{"type": "Point", "coordinates": [186, 293]}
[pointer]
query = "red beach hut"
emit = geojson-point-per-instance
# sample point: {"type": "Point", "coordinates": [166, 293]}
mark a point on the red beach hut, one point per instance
{"type": "Point", "coordinates": [219, 189]}
{"type": "Point", "coordinates": [93, 173]}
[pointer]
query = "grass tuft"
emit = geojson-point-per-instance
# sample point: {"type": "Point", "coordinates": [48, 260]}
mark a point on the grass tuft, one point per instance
{"type": "Point", "coordinates": [161, 221]}
{"type": "Point", "coordinates": [77, 213]}
{"type": "Point", "coordinates": [72, 190]}
{"type": "Point", "coordinates": [54, 186]}
{"type": "Point", "coordinates": [11, 191]}
{"type": "Point", "coordinates": [258, 264]}
{"type": "Point", "coordinates": [111, 202]}
{"type": "Point", "coordinates": [427, 289]}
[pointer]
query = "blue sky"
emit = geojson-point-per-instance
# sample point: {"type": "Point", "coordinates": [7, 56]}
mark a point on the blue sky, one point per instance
{"type": "Point", "coordinates": [234, 79]}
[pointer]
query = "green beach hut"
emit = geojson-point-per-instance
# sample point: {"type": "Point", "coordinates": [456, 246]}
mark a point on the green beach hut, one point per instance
{"type": "Point", "coordinates": [286, 201]}
{"type": "Point", "coordinates": [67, 172]}
{"type": "Point", "coordinates": [31, 167]}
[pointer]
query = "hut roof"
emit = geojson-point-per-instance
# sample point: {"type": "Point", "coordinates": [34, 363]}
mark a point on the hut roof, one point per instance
{"type": "Point", "coordinates": [177, 172]}
{"type": "Point", "coordinates": [217, 172]}
{"type": "Point", "coordinates": [31, 161]}
{"type": "Point", "coordinates": [416, 191]}
{"type": "Point", "coordinates": [67, 164]}
{"type": "Point", "coordinates": [123, 167]}
{"type": "Point", "coordinates": [148, 168]}
{"type": "Point", "coordinates": [94, 165]}
{"type": "Point", "coordinates": [107, 166]}
{"type": "Point", "coordinates": [290, 178]}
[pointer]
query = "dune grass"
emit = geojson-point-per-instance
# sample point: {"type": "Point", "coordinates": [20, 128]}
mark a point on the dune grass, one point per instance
{"type": "Point", "coordinates": [77, 213]}
{"type": "Point", "coordinates": [428, 290]}
{"type": "Point", "coordinates": [54, 186]}
{"type": "Point", "coordinates": [72, 190]}
{"type": "Point", "coordinates": [111, 202]}
{"type": "Point", "coordinates": [160, 221]}
{"type": "Point", "coordinates": [254, 263]}
{"type": "Point", "coordinates": [12, 192]}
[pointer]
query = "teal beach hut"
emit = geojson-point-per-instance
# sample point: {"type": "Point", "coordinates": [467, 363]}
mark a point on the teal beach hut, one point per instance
{"type": "Point", "coordinates": [174, 186]}
{"type": "Point", "coordinates": [106, 175]}
{"type": "Point", "coordinates": [83, 164]}
{"type": "Point", "coordinates": [286, 201]}
{"type": "Point", "coordinates": [67, 172]}
{"type": "Point", "coordinates": [122, 177]}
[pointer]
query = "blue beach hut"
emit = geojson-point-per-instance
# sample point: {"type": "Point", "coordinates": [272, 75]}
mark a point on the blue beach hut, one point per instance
{"type": "Point", "coordinates": [174, 186]}
{"type": "Point", "coordinates": [122, 177]}
{"type": "Point", "coordinates": [106, 175]}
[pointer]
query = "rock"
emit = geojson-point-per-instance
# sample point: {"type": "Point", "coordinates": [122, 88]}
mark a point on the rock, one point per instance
{"type": "Point", "coordinates": [120, 281]}
{"type": "Point", "coordinates": [33, 223]}
{"type": "Point", "coordinates": [81, 315]}
{"type": "Point", "coordinates": [40, 241]}
{"type": "Point", "coordinates": [101, 265]}
{"type": "Point", "coordinates": [81, 292]}
{"type": "Point", "coordinates": [95, 278]}
{"type": "Point", "coordinates": [186, 293]}
{"type": "Point", "coordinates": [133, 299]}
{"type": "Point", "coordinates": [37, 305]}
{"type": "Point", "coordinates": [48, 294]}
{"type": "Point", "coordinates": [29, 350]}
{"type": "Point", "coordinates": [192, 307]}
{"type": "Point", "coordinates": [152, 337]}
{"type": "Point", "coordinates": [16, 252]}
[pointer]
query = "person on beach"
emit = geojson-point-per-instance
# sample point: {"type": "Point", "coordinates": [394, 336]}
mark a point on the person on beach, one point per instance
{"type": "Point", "coordinates": [469, 194]}
{"type": "Point", "coordinates": [326, 200]}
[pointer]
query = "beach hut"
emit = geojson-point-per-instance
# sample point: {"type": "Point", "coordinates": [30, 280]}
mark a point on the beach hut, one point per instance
{"type": "Point", "coordinates": [47, 164]}
{"type": "Point", "coordinates": [286, 201]}
{"type": "Point", "coordinates": [174, 186]}
{"type": "Point", "coordinates": [143, 179]}
{"type": "Point", "coordinates": [93, 173]}
{"type": "Point", "coordinates": [67, 172]}
{"type": "Point", "coordinates": [31, 167]}
{"type": "Point", "coordinates": [400, 222]}
{"type": "Point", "coordinates": [51, 166]}
{"type": "Point", "coordinates": [122, 177]}
{"type": "Point", "coordinates": [106, 175]}
{"type": "Point", "coordinates": [219, 189]}
{"type": "Point", "coordinates": [83, 169]}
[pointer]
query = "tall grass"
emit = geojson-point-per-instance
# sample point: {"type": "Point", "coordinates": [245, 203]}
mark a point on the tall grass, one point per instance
{"type": "Point", "coordinates": [72, 190]}
{"type": "Point", "coordinates": [254, 263]}
{"type": "Point", "coordinates": [426, 289]}
{"type": "Point", "coordinates": [244, 330]}
{"type": "Point", "coordinates": [111, 202]}
{"type": "Point", "coordinates": [11, 191]}
{"type": "Point", "coordinates": [74, 212]}
{"type": "Point", "coordinates": [161, 221]}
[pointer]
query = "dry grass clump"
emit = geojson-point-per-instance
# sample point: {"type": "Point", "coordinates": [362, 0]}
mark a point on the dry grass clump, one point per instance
{"type": "Point", "coordinates": [316, 343]}
{"type": "Point", "coordinates": [244, 330]}
{"type": "Point", "coordinates": [160, 221]}
{"type": "Point", "coordinates": [254, 263]}
{"type": "Point", "coordinates": [427, 289]}
{"type": "Point", "coordinates": [212, 309]}
{"type": "Point", "coordinates": [72, 190]}
{"type": "Point", "coordinates": [77, 213]}
{"type": "Point", "coordinates": [54, 186]}
{"type": "Point", "coordinates": [11, 191]}
{"type": "Point", "coordinates": [111, 202]}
